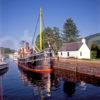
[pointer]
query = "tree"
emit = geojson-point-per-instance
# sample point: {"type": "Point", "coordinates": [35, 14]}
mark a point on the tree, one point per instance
{"type": "Point", "coordinates": [57, 38]}
{"type": "Point", "coordinates": [5, 51]}
{"type": "Point", "coordinates": [71, 33]}
{"type": "Point", "coordinates": [95, 51]}
{"type": "Point", "coordinates": [51, 35]}
{"type": "Point", "coordinates": [44, 37]}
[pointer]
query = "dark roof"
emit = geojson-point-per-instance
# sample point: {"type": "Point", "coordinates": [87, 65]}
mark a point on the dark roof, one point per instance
{"type": "Point", "coordinates": [74, 46]}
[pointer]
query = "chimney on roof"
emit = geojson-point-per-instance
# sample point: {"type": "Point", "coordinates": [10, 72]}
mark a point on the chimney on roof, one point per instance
{"type": "Point", "coordinates": [83, 40]}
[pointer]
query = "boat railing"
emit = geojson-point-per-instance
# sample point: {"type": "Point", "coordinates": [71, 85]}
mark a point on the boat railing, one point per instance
{"type": "Point", "coordinates": [37, 54]}
{"type": "Point", "coordinates": [39, 59]}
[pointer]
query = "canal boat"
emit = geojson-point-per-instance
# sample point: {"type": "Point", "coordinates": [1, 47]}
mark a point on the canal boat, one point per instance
{"type": "Point", "coordinates": [3, 64]}
{"type": "Point", "coordinates": [36, 63]}
{"type": "Point", "coordinates": [40, 61]}
{"type": "Point", "coordinates": [3, 67]}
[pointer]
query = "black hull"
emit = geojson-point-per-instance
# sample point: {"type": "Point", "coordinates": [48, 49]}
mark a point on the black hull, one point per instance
{"type": "Point", "coordinates": [3, 70]}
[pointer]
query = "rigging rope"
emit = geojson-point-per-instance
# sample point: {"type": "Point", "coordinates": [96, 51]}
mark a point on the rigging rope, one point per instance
{"type": "Point", "coordinates": [33, 42]}
{"type": "Point", "coordinates": [45, 34]}
{"type": "Point", "coordinates": [43, 21]}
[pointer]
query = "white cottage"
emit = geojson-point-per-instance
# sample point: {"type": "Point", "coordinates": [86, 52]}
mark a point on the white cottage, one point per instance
{"type": "Point", "coordinates": [78, 50]}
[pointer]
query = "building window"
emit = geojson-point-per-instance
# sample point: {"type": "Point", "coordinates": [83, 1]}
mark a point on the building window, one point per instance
{"type": "Point", "coordinates": [67, 53]}
{"type": "Point", "coordinates": [80, 53]}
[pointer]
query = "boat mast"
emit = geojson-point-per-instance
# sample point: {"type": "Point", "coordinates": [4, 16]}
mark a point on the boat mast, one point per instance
{"type": "Point", "coordinates": [40, 29]}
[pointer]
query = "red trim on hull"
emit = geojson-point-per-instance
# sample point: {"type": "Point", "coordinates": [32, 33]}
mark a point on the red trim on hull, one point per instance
{"type": "Point", "coordinates": [36, 70]}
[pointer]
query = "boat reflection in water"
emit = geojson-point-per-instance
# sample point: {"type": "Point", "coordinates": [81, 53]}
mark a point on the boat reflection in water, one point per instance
{"type": "Point", "coordinates": [42, 83]}
{"type": "Point", "coordinates": [64, 84]}
{"type": "Point", "coordinates": [2, 72]}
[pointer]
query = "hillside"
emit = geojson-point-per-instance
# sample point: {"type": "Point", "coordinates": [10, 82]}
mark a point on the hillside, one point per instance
{"type": "Point", "coordinates": [6, 50]}
{"type": "Point", "coordinates": [93, 39]}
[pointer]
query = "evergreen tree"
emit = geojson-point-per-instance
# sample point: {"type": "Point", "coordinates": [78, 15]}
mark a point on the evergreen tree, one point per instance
{"type": "Point", "coordinates": [57, 38]}
{"type": "Point", "coordinates": [95, 51]}
{"type": "Point", "coordinates": [70, 31]}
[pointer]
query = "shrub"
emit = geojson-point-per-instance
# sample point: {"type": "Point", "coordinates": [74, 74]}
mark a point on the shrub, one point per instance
{"type": "Point", "coordinates": [93, 54]}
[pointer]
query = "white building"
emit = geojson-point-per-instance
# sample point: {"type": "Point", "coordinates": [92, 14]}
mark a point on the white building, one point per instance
{"type": "Point", "coordinates": [75, 49]}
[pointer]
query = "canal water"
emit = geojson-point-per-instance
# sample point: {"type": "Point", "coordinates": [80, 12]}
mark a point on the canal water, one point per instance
{"type": "Point", "coordinates": [60, 85]}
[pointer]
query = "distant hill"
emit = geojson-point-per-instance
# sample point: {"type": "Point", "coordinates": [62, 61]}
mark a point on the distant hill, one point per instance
{"type": "Point", "coordinates": [93, 39]}
{"type": "Point", "coordinates": [6, 50]}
